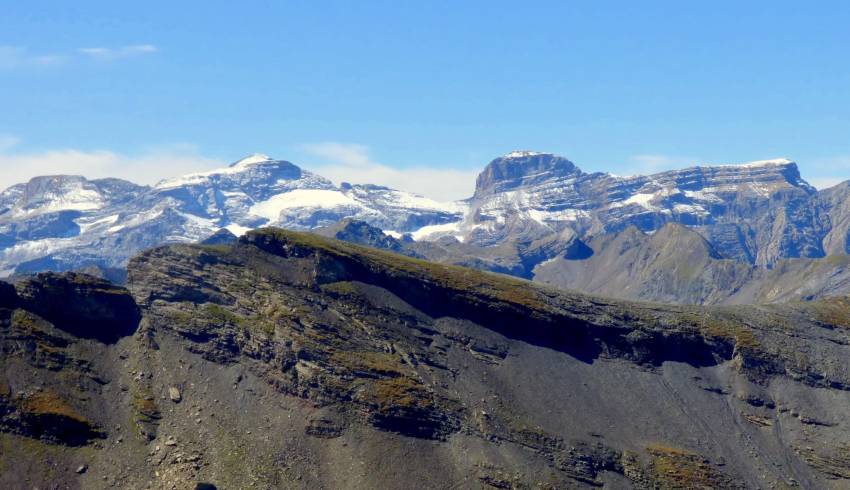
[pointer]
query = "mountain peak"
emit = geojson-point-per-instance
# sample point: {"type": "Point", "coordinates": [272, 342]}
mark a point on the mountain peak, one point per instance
{"type": "Point", "coordinates": [251, 162]}
{"type": "Point", "coordinates": [523, 154]}
{"type": "Point", "coordinates": [522, 168]}
{"type": "Point", "coordinates": [252, 159]}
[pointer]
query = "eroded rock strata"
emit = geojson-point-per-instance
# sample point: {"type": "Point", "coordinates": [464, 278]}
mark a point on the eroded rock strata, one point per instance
{"type": "Point", "coordinates": [289, 360]}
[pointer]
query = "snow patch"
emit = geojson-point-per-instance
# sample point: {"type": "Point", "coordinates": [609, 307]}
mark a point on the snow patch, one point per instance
{"type": "Point", "coordinates": [756, 163]}
{"type": "Point", "coordinates": [85, 226]}
{"type": "Point", "coordinates": [77, 199]}
{"type": "Point", "coordinates": [703, 196]}
{"type": "Point", "coordinates": [252, 159]}
{"type": "Point", "coordinates": [643, 200]}
{"type": "Point", "coordinates": [237, 230]}
{"type": "Point", "coordinates": [543, 217]}
{"type": "Point", "coordinates": [522, 154]}
{"type": "Point", "coordinates": [201, 177]}
{"type": "Point", "coordinates": [433, 232]}
{"type": "Point", "coordinates": [403, 199]}
{"type": "Point", "coordinates": [301, 198]}
{"type": "Point", "coordinates": [689, 209]}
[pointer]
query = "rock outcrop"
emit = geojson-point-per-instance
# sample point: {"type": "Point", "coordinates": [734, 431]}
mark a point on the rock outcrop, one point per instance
{"type": "Point", "coordinates": [301, 361]}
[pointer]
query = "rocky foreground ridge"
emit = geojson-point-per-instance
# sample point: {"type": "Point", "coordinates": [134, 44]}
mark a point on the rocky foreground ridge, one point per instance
{"type": "Point", "coordinates": [289, 360]}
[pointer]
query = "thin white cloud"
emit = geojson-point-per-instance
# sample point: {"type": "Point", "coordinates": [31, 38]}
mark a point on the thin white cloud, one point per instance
{"type": "Point", "coordinates": [827, 172]}
{"type": "Point", "coordinates": [19, 57]}
{"type": "Point", "coordinates": [351, 154]}
{"type": "Point", "coordinates": [346, 162]}
{"type": "Point", "coordinates": [147, 168]}
{"type": "Point", "coordinates": [111, 54]}
{"type": "Point", "coordinates": [653, 163]}
{"type": "Point", "coordinates": [8, 141]}
{"type": "Point", "coordinates": [14, 57]}
{"type": "Point", "coordinates": [825, 182]}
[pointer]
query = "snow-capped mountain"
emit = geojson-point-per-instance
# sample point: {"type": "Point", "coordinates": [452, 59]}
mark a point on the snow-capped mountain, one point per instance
{"type": "Point", "coordinates": [527, 207]}
{"type": "Point", "coordinates": [65, 222]}
{"type": "Point", "coordinates": [758, 212]}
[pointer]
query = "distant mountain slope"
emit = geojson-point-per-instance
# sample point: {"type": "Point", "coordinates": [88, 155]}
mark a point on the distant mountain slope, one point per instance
{"type": "Point", "coordinates": [63, 223]}
{"type": "Point", "coordinates": [677, 265]}
{"type": "Point", "coordinates": [289, 360]}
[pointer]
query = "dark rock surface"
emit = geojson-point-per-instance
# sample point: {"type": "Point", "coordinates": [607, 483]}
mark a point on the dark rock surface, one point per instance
{"type": "Point", "coordinates": [307, 362]}
{"type": "Point", "coordinates": [221, 237]}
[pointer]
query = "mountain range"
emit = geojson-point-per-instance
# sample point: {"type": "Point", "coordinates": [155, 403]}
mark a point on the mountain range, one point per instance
{"type": "Point", "coordinates": [532, 215]}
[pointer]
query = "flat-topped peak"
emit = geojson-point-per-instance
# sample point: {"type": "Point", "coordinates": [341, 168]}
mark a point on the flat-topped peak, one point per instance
{"type": "Point", "coordinates": [522, 168]}
{"type": "Point", "coordinates": [773, 162]}
{"type": "Point", "coordinates": [523, 154]}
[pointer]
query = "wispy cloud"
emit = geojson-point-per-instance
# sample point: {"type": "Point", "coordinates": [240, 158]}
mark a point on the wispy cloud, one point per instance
{"type": "Point", "coordinates": [8, 141]}
{"type": "Point", "coordinates": [111, 54]}
{"type": "Point", "coordinates": [827, 172]}
{"type": "Point", "coordinates": [653, 163]}
{"type": "Point", "coordinates": [12, 57]}
{"type": "Point", "coordinates": [148, 167]}
{"type": "Point", "coordinates": [349, 162]}
{"type": "Point", "coordinates": [19, 57]}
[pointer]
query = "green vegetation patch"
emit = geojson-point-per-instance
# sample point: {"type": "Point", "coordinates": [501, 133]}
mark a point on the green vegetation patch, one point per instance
{"type": "Point", "coordinates": [674, 468]}
{"type": "Point", "coordinates": [460, 279]}
{"type": "Point", "coordinates": [51, 404]}
{"type": "Point", "coordinates": [381, 363]}
{"type": "Point", "coordinates": [832, 311]}
{"type": "Point", "coordinates": [399, 392]}
{"type": "Point", "coordinates": [723, 327]}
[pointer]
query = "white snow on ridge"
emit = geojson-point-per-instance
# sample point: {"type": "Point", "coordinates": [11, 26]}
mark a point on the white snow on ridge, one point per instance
{"type": "Point", "coordinates": [237, 230]}
{"type": "Point", "coordinates": [433, 232]}
{"type": "Point", "coordinates": [689, 209]}
{"type": "Point", "coordinates": [641, 199]}
{"type": "Point", "coordinates": [23, 251]}
{"type": "Point", "coordinates": [252, 159]}
{"type": "Point", "coordinates": [703, 195]}
{"type": "Point", "coordinates": [301, 198]}
{"type": "Point", "coordinates": [522, 153]}
{"type": "Point", "coordinates": [755, 163]}
{"type": "Point", "coordinates": [409, 200]}
{"type": "Point", "coordinates": [108, 220]}
{"type": "Point", "coordinates": [200, 177]}
{"type": "Point", "coordinates": [78, 199]}
{"type": "Point", "coordinates": [543, 217]}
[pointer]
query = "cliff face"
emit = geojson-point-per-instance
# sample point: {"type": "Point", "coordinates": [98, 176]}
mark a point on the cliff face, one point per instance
{"type": "Point", "coordinates": [758, 212]}
{"type": "Point", "coordinates": [290, 360]}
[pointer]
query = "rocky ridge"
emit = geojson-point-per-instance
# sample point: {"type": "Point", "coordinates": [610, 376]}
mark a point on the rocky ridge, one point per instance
{"type": "Point", "coordinates": [293, 360]}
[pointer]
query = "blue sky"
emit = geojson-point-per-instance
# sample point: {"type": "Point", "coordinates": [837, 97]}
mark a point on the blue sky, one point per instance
{"type": "Point", "coordinates": [421, 95]}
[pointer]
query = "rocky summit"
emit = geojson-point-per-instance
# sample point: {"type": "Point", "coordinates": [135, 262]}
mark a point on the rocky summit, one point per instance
{"type": "Point", "coordinates": [292, 360]}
